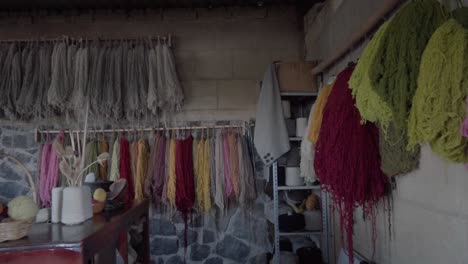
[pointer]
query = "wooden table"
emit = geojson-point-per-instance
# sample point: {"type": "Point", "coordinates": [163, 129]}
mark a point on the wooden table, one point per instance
{"type": "Point", "coordinates": [93, 241]}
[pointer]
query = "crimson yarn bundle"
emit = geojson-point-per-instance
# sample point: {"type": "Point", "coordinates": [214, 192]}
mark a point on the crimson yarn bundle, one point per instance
{"type": "Point", "coordinates": [125, 172]}
{"type": "Point", "coordinates": [347, 159]}
{"type": "Point", "coordinates": [185, 188]}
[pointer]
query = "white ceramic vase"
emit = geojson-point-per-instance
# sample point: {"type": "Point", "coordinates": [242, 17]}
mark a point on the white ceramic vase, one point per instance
{"type": "Point", "coordinates": [76, 205]}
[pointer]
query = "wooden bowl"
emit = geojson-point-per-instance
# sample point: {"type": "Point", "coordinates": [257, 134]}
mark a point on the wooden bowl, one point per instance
{"type": "Point", "coordinates": [98, 207]}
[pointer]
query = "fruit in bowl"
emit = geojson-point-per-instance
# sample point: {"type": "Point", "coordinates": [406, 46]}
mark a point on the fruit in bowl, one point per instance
{"type": "Point", "coordinates": [99, 200]}
{"type": "Point", "coordinates": [100, 195]}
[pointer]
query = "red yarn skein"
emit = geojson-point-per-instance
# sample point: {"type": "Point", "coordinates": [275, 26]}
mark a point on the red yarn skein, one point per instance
{"type": "Point", "coordinates": [347, 159]}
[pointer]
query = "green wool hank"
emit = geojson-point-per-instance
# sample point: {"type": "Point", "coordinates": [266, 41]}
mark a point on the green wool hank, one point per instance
{"type": "Point", "coordinates": [384, 80]}
{"type": "Point", "coordinates": [395, 158]}
{"type": "Point", "coordinates": [394, 73]}
{"type": "Point", "coordinates": [439, 103]}
{"type": "Point", "coordinates": [361, 83]}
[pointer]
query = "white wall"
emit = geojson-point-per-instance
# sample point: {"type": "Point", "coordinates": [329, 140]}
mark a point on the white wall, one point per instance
{"type": "Point", "coordinates": [221, 53]}
{"type": "Point", "coordinates": [430, 214]}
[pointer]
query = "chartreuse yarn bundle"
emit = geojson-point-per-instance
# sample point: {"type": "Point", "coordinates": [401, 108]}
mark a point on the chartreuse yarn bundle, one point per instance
{"type": "Point", "coordinates": [384, 81]}
{"type": "Point", "coordinates": [439, 103]}
{"type": "Point", "coordinates": [361, 82]}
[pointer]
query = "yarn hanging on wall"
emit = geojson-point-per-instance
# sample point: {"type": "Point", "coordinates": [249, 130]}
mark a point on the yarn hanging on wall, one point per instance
{"type": "Point", "coordinates": [317, 113]}
{"type": "Point", "coordinates": [141, 167]}
{"type": "Point", "coordinates": [347, 159]}
{"type": "Point", "coordinates": [439, 102]}
{"type": "Point", "coordinates": [395, 158]}
{"type": "Point", "coordinates": [394, 68]}
{"type": "Point", "coordinates": [119, 79]}
{"type": "Point", "coordinates": [385, 79]}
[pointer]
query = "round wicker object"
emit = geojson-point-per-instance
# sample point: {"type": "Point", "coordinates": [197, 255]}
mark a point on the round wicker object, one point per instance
{"type": "Point", "coordinates": [11, 229]}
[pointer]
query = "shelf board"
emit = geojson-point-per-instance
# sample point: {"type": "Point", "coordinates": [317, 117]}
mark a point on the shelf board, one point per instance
{"type": "Point", "coordinates": [300, 233]}
{"type": "Point", "coordinates": [289, 188]}
{"type": "Point", "coordinates": [312, 94]}
{"type": "Point", "coordinates": [295, 139]}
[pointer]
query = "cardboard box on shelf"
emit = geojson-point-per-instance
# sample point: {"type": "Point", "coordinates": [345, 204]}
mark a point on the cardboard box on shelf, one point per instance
{"type": "Point", "coordinates": [296, 77]}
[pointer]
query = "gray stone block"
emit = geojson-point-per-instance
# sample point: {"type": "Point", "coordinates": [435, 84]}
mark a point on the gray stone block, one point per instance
{"type": "Point", "coordinates": [223, 218]}
{"type": "Point", "coordinates": [259, 259]}
{"type": "Point", "coordinates": [191, 237]}
{"type": "Point", "coordinates": [33, 151]}
{"type": "Point", "coordinates": [197, 221]}
{"type": "Point", "coordinates": [233, 249]}
{"type": "Point", "coordinates": [215, 260]}
{"type": "Point", "coordinates": [22, 141]}
{"type": "Point", "coordinates": [7, 172]}
{"type": "Point", "coordinates": [157, 261]}
{"type": "Point", "coordinates": [208, 236]}
{"type": "Point", "coordinates": [164, 246]}
{"type": "Point", "coordinates": [199, 252]}
{"type": "Point", "coordinates": [162, 227]}
{"type": "Point", "coordinates": [178, 219]}
{"type": "Point", "coordinates": [7, 141]}
{"type": "Point", "coordinates": [10, 190]}
{"type": "Point", "coordinates": [24, 158]}
{"type": "Point", "coordinates": [175, 260]}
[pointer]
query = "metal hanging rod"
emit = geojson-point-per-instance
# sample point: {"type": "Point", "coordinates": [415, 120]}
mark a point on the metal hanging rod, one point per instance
{"type": "Point", "coordinates": [146, 129]}
{"type": "Point", "coordinates": [169, 39]}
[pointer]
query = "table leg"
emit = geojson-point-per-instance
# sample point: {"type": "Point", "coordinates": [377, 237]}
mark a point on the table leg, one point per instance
{"type": "Point", "coordinates": [123, 246]}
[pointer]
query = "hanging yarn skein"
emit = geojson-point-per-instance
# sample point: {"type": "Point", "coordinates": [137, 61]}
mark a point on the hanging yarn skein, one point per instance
{"type": "Point", "coordinates": [151, 170]}
{"type": "Point", "coordinates": [125, 170]}
{"type": "Point", "coordinates": [347, 159]}
{"type": "Point", "coordinates": [393, 63]}
{"type": "Point", "coordinates": [103, 147]}
{"type": "Point", "coordinates": [248, 192]}
{"type": "Point", "coordinates": [142, 165]}
{"type": "Point", "coordinates": [45, 157]}
{"type": "Point", "coordinates": [439, 102]}
{"type": "Point", "coordinates": [115, 162]}
{"type": "Point", "coordinates": [384, 81]}
{"type": "Point", "coordinates": [91, 156]}
{"type": "Point", "coordinates": [171, 183]}
{"type": "Point", "coordinates": [316, 114]}
{"type": "Point", "coordinates": [185, 191]}
{"type": "Point", "coordinates": [205, 175]}
{"type": "Point", "coordinates": [395, 158]}
{"type": "Point", "coordinates": [158, 177]}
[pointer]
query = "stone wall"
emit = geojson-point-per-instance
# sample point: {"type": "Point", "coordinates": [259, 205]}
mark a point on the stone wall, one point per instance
{"type": "Point", "coordinates": [232, 236]}
{"type": "Point", "coordinates": [20, 144]}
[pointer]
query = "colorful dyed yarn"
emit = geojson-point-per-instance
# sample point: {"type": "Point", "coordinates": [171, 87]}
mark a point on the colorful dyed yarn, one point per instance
{"type": "Point", "coordinates": [347, 159]}
{"type": "Point", "coordinates": [439, 102]}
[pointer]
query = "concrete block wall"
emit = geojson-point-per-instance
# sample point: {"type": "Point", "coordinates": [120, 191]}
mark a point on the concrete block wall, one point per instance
{"type": "Point", "coordinates": [429, 221]}
{"type": "Point", "coordinates": [221, 54]}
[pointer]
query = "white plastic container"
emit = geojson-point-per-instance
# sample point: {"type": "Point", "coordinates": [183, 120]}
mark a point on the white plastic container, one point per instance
{"type": "Point", "coordinates": [301, 126]}
{"type": "Point", "coordinates": [293, 176]}
{"type": "Point", "coordinates": [76, 205]}
{"type": "Point", "coordinates": [56, 210]}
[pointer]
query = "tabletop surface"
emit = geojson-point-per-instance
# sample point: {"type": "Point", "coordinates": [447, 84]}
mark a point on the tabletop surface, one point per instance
{"type": "Point", "coordinates": [48, 235]}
